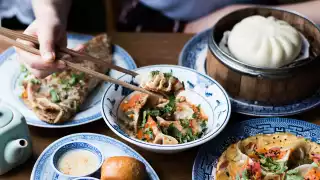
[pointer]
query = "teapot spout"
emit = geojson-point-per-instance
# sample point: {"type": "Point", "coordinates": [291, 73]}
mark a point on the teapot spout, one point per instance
{"type": "Point", "coordinates": [14, 150]}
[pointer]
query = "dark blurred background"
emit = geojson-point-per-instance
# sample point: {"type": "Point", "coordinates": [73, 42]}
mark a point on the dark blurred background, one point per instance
{"type": "Point", "coordinates": [124, 15]}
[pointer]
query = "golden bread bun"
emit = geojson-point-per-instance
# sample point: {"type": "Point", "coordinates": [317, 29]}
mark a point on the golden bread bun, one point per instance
{"type": "Point", "coordinates": [123, 168]}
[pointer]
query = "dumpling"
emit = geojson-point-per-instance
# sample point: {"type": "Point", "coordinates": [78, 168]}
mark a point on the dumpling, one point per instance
{"type": "Point", "coordinates": [264, 42]}
{"type": "Point", "coordinates": [130, 109]}
{"type": "Point", "coordinates": [306, 171]}
{"type": "Point", "coordinates": [165, 139]}
{"type": "Point", "coordinates": [160, 82]}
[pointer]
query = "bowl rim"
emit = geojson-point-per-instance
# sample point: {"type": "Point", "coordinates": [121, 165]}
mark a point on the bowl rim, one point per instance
{"type": "Point", "coordinates": [177, 146]}
{"type": "Point", "coordinates": [72, 176]}
{"type": "Point", "coordinates": [242, 67]}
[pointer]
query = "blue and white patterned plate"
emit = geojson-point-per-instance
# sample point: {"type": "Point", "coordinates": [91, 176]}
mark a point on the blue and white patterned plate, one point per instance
{"type": "Point", "coordinates": [206, 88]}
{"type": "Point", "coordinates": [109, 147]}
{"type": "Point", "coordinates": [193, 55]}
{"type": "Point", "coordinates": [10, 78]}
{"type": "Point", "coordinates": [204, 167]}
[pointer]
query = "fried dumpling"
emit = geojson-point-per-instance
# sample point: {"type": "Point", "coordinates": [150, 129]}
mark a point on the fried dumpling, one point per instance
{"type": "Point", "coordinates": [129, 110]}
{"type": "Point", "coordinates": [160, 82]}
{"type": "Point", "coordinates": [165, 139]}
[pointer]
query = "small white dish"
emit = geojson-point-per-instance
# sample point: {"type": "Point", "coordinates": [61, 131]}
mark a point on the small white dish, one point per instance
{"type": "Point", "coordinates": [76, 145]}
{"type": "Point", "coordinates": [200, 88]}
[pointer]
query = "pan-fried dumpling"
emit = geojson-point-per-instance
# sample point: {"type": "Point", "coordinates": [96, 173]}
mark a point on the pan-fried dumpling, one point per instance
{"type": "Point", "coordinates": [165, 139]}
{"type": "Point", "coordinates": [130, 109]}
{"type": "Point", "coordinates": [306, 171]}
{"type": "Point", "coordinates": [160, 82]}
{"type": "Point", "coordinates": [264, 42]}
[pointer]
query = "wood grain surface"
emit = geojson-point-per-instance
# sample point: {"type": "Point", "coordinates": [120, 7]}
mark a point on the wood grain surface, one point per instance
{"type": "Point", "coordinates": [146, 49]}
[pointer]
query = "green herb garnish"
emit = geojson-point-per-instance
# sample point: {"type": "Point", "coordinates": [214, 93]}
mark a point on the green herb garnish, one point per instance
{"type": "Point", "coordinates": [185, 123]}
{"type": "Point", "coordinates": [167, 75]}
{"type": "Point", "coordinates": [23, 68]}
{"type": "Point", "coordinates": [293, 175]}
{"type": "Point", "coordinates": [199, 107]}
{"type": "Point", "coordinates": [144, 118]}
{"type": "Point", "coordinates": [269, 164]}
{"type": "Point", "coordinates": [245, 175]}
{"type": "Point", "coordinates": [75, 78]}
{"type": "Point", "coordinates": [35, 81]}
{"type": "Point", "coordinates": [203, 124]}
{"type": "Point", "coordinates": [54, 96]}
{"type": "Point", "coordinates": [174, 132]}
{"type": "Point", "coordinates": [146, 113]}
{"type": "Point", "coordinates": [171, 106]}
{"type": "Point", "coordinates": [194, 115]}
{"type": "Point", "coordinates": [148, 131]}
{"type": "Point", "coordinates": [153, 73]}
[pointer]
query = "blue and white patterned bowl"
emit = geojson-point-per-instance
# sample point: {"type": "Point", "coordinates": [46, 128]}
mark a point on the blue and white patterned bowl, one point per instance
{"type": "Point", "coordinates": [86, 178]}
{"type": "Point", "coordinates": [73, 146]}
{"type": "Point", "coordinates": [215, 99]}
{"type": "Point", "coordinates": [204, 167]}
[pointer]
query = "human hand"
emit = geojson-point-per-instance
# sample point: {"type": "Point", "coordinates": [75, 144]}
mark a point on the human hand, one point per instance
{"type": "Point", "coordinates": [49, 33]}
{"type": "Point", "coordinates": [208, 21]}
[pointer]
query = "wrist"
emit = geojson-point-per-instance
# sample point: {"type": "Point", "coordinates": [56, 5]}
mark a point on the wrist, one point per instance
{"type": "Point", "coordinates": [55, 11]}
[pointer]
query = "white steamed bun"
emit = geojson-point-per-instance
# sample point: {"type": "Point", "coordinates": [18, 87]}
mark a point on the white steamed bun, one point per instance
{"type": "Point", "coordinates": [264, 42]}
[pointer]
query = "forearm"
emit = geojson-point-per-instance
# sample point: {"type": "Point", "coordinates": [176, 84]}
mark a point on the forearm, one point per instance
{"type": "Point", "coordinates": [309, 9]}
{"type": "Point", "coordinates": [58, 9]}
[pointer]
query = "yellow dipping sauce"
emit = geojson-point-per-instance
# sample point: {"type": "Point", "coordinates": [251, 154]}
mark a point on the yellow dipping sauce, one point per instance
{"type": "Point", "coordinates": [78, 162]}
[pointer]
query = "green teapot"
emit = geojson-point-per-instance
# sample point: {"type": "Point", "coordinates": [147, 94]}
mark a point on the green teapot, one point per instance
{"type": "Point", "coordinates": [15, 143]}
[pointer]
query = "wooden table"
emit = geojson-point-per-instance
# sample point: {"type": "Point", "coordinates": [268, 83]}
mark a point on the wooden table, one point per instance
{"type": "Point", "coordinates": [146, 49]}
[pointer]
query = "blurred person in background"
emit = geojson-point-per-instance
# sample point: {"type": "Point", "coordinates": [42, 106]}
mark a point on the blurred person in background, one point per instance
{"type": "Point", "coordinates": [189, 16]}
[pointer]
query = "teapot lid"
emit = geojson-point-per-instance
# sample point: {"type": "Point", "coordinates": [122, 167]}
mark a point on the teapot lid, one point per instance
{"type": "Point", "coordinates": [6, 115]}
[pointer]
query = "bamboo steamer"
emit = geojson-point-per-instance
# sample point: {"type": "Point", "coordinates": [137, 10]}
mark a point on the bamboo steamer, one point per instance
{"type": "Point", "coordinates": [265, 85]}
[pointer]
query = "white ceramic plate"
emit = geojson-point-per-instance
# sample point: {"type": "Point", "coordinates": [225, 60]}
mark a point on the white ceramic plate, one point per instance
{"type": "Point", "coordinates": [217, 104]}
{"type": "Point", "coordinates": [10, 78]}
{"type": "Point", "coordinates": [193, 55]}
{"type": "Point", "coordinates": [43, 170]}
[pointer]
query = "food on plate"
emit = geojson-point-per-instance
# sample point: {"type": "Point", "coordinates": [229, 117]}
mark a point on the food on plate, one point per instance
{"type": "Point", "coordinates": [59, 96]}
{"type": "Point", "coordinates": [162, 121]}
{"type": "Point", "coordinates": [123, 168]}
{"type": "Point", "coordinates": [264, 42]}
{"type": "Point", "coordinates": [270, 156]}
{"type": "Point", "coordinates": [78, 162]}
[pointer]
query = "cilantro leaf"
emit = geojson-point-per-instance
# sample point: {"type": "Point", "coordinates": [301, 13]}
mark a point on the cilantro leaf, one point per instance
{"type": "Point", "coordinates": [171, 106]}
{"type": "Point", "coordinates": [185, 123]}
{"type": "Point", "coordinates": [54, 96]}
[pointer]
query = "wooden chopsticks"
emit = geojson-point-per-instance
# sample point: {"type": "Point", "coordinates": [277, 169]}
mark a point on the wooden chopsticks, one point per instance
{"type": "Point", "coordinates": [11, 40]}
{"type": "Point", "coordinates": [15, 35]}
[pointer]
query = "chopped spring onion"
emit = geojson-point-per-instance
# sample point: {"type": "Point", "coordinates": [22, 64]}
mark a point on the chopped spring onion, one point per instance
{"type": "Point", "coordinates": [35, 81]}
{"type": "Point", "coordinates": [54, 96]}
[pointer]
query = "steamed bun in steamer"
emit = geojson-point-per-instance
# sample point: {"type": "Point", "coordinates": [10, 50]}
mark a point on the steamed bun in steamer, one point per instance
{"type": "Point", "coordinates": [264, 42]}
